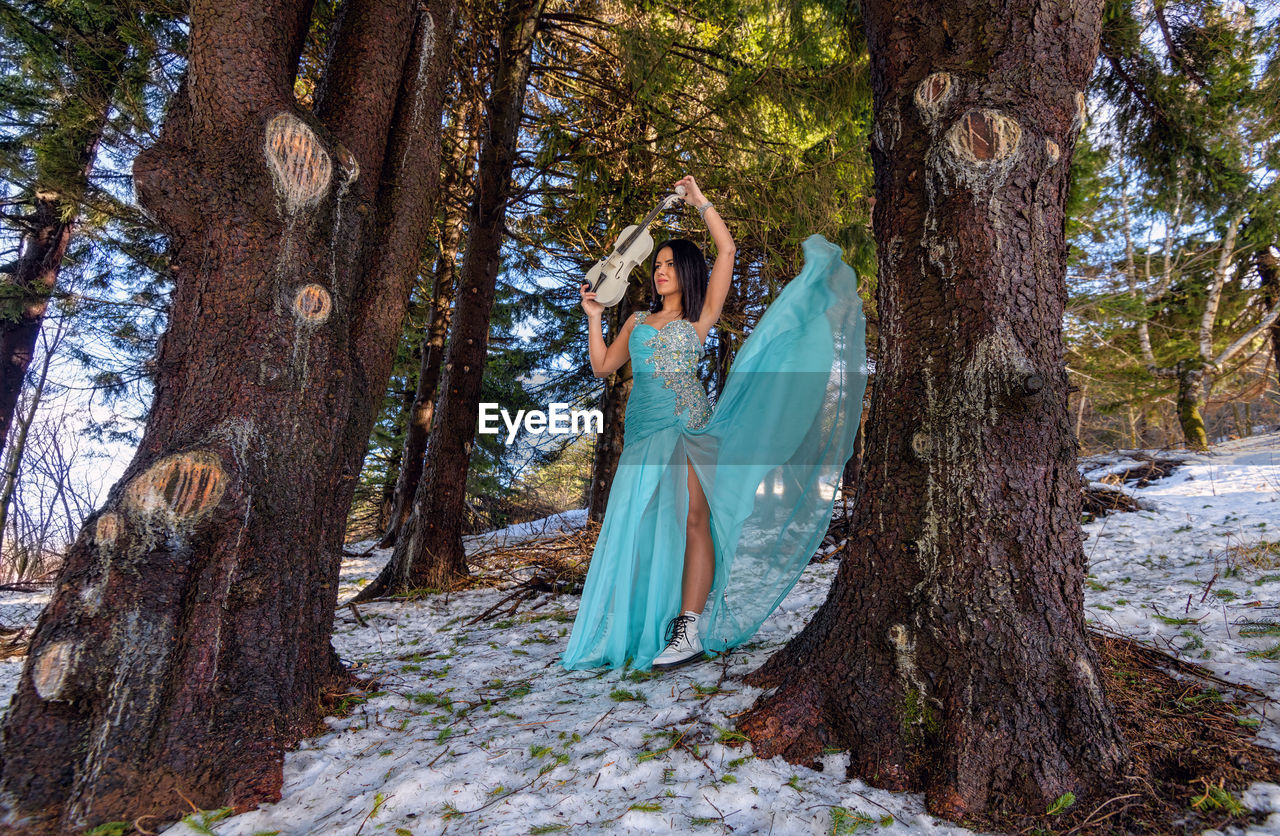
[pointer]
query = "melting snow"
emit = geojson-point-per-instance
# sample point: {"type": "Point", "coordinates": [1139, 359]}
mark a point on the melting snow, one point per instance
{"type": "Point", "coordinates": [478, 729]}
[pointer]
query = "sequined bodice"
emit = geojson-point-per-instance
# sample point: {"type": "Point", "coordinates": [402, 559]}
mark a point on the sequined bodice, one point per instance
{"type": "Point", "coordinates": [671, 354]}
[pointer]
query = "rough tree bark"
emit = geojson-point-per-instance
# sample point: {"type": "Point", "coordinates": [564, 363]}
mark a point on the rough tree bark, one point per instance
{"type": "Point", "coordinates": [460, 170]}
{"type": "Point", "coordinates": [187, 642]}
{"type": "Point", "coordinates": [951, 655]}
{"type": "Point", "coordinates": [429, 552]}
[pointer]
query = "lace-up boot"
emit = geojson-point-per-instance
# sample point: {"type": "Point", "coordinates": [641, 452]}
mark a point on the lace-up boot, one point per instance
{"type": "Point", "coordinates": [684, 645]}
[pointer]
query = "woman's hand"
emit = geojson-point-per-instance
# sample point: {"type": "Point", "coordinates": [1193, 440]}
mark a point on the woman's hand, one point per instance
{"type": "Point", "coordinates": [589, 303]}
{"type": "Point", "coordinates": [692, 195]}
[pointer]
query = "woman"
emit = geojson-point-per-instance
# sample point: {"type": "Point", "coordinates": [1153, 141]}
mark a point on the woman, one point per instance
{"type": "Point", "coordinates": [731, 503]}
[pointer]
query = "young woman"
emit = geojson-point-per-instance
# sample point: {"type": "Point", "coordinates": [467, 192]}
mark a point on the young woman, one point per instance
{"type": "Point", "coordinates": [730, 504]}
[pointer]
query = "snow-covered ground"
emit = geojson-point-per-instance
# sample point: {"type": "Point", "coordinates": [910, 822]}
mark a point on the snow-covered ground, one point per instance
{"type": "Point", "coordinates": [478, 729]}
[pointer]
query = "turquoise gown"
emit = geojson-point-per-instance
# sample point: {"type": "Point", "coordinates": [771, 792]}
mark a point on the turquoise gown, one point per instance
{"type": "Point", "coordinates": [769, 458]}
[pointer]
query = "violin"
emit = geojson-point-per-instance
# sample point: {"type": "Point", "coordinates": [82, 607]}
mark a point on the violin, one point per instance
{"type": "Point", "coordinates": [608, 278]}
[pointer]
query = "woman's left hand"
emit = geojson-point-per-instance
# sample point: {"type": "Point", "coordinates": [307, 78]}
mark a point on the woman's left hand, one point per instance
{"type": "Point", "coordinates": [692, 195]}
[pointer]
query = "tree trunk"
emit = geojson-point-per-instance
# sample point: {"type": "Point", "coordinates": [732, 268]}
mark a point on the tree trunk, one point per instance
{"type": "Point", "coordinates": [951, 655]}
{"type": "Point", "coordinates": [853, 468]}
{"type": "Point", "coordinates": [637, 167]}
{"type": "Point", "coordinates": [613, 406]}
{"type": "Point", "coordinates": [62, 179]}
{"type": "Point", "coordinates": [422, 409]}
{"type": "Point", "coordinates": [1196, 375]}
{"type": "Point", "coordinates": [1226, 256]}
{"type": "Point", "coordinates": [1268, 264]}
{"type": "Point", "coordinates": [608, 449]}
{"type": "Point", "coordinates": [17, 448]}
{"type": "Point", "coordinates": [429, 552]}
{"type": "Point", "coordinates": [187, 644]}
{"type": "Point", "coordinates": [387, 490]}
{"type": "Point", "coordinates": [1191, 398]}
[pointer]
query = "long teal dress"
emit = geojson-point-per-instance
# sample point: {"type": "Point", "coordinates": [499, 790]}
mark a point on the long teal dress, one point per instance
{"type": "Point", "coordinates": [769, 458]}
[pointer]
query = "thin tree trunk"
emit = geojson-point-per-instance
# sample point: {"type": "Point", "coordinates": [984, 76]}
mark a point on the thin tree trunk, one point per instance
{"type": "Point", "coordinates": [387, 490]}
{"type": "Point", "coordinates": [1220, 270]}
{"type": "Point", "coordinates": [422, 409]}
{"type": "Point", "coordinates": [18, 446]}
{"type": "Point", "coordinates": [951, 655]}
{"type": "Point", "coordinates": [187, 644]}
{"type": "Point", "coordinates": [1268, 263]}
{"type": "Point", "coordinates": [429, 552]}
{"type": "Point", "coordinates": [1196, 375]}
{"type": "Point", "coordinates": [608, 449]}
{"type": "Point", "coordinates": [853, 468]}
{"type": "Point", "coordinates": [1191, 378]}
{"type": "Point", "coordinates": [613, 406]}
{"type": "Point", "coordinates": [1131, 273]}
{"type": "Point", "coordinates": [1166, 275]}
{"type": "Point", "coordinates": [1084, 395]}
{"type": "Point", "coordinates": [60, 187]}
{"type": "Point", "coordinates": [617, 386]}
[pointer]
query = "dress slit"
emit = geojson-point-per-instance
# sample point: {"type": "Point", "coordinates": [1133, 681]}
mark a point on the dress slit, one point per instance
{"type": "Point", "coordinates": [768, 459]}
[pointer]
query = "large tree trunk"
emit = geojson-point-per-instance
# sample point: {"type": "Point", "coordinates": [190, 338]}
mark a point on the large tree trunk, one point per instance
{"type": "Point", "coordinates": [422, 408]}
{"type": "Point", "coordinates": [188, 641]}
{"type": "Point", "coordinates": [429, 552]}
{"type": "Point", "coordinates": [951, 655]}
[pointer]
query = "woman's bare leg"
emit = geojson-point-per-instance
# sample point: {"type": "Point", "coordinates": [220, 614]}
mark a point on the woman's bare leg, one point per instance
{"type": "Point", "coordinates": [699, 554]}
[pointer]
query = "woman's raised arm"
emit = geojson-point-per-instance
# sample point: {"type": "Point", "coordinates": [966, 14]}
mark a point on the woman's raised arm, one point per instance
{"type": "Point", "coordinates": [722, 269]}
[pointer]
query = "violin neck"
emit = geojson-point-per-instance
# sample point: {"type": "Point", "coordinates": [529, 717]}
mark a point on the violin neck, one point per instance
{"type": "Point", "coordinates": [648, 219]}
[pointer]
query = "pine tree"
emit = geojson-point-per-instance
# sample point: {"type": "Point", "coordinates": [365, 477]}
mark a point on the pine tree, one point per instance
{"type": "Point", "coordinates": [187, 643]}
{"type": "Point", "coordinates": [951, 656]}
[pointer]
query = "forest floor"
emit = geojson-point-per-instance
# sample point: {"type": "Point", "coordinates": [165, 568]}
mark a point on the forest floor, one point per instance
{"type": "Point", "coordinates": [475, 728]}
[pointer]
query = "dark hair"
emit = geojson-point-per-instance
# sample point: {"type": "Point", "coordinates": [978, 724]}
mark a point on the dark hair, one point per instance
{"type": "Point", "coordinates": [691, 271]}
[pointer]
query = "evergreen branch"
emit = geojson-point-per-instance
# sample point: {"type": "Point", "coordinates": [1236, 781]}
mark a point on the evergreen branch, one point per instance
{"type": "Point", "coordinates": [1175, 54]}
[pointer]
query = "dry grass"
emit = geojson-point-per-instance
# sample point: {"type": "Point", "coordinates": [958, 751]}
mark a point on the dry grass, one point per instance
{"type": "Point", "coordinates": [14, 641]}
{"type": "Point", "coordinates": [1192, 752]}
{"type": "Point", "coordinates": [555, 564]}
{"type": "Point", "coordinates": [1259, 556]}
{"type": "Point", "coordinates": [559, 561]}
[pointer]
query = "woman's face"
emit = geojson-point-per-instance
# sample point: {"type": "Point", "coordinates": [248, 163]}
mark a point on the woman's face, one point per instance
{"type": "Point", "coordinates": [664, 274]}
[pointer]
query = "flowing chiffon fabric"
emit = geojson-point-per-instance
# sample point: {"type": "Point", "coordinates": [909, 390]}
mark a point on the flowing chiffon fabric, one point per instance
{"type": "Point", "coordinates": [769, 461]}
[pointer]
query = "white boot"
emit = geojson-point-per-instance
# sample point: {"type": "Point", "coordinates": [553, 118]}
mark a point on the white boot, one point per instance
{"type": "Point", "coordinates": [683, 642]}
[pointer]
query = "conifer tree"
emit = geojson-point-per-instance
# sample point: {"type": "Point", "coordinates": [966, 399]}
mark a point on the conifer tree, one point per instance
{"type": "Point", "coordinates": [187, 642]}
